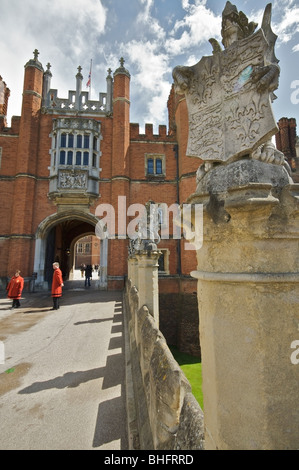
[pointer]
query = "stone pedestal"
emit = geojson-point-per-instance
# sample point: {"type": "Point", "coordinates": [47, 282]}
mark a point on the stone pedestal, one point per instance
{"type": "Point", "coordinates": [133, 270]}
{"type": "Point", "coordinates": [148, 287]}
{"type": "Point", "coordinates": [248, 296]}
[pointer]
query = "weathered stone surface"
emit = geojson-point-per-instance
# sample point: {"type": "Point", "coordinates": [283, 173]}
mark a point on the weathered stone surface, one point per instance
{"type": "Point", "coordinates": [190, 435]}
{"type": "Point", "coordinates": [248, 279]}
{"type": "Point", "coordinates": [248, 297]}
{"type": "Point", "coordinates": [168, 387]}
{"type": "Point", "coordinates": [240, 173]}
{"type": "Point", "coordinates": [163, 395]}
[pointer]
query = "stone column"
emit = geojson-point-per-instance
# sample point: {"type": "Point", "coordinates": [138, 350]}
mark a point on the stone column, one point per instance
{"type": "Point", "coordinates": [79, 79]}
{"type": "Point", "coordinates": [133, 270]}
{"type": "Point", "coordinates": [104, 264]}
{"type": "Point", "coordinates": [109, 81]}
{"type": "Point", "coordinates": [47, 85]}
{"type": "Point", "coordinates": [148, 287]}
{"type": "Point", "coordinates": [248, 296]}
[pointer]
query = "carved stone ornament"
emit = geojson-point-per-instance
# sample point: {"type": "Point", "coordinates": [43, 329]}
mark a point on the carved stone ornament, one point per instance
{"type": "Point", "coordinates": [72, 180]}
{"type": "Point", "coordinates": [229, 93]}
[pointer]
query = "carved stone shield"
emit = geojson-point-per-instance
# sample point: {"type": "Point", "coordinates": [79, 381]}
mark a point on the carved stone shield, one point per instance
{"type": "Point", "coordinates": [228, 117]}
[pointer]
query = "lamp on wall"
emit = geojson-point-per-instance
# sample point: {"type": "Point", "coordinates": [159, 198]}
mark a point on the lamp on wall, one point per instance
{"type": "Point", "coordinates": [68, 252]}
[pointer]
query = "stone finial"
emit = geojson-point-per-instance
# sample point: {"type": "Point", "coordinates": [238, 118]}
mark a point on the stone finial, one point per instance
{"type": "Point", "coordinates": [109, 72]}
{"type": "Point", "coordinates": [122, 69]}
{"type": "Point", "coordinates": [35, 55]}
{"type": "Point", "coordinates": [79, 74]}
{"type": "Point", "coordinates": [35, 62]}
{"type": "Point", "coordinates": [48, 71]}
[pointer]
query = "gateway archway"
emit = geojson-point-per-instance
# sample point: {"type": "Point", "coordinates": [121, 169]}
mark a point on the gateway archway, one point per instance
{"type": "Point", "coordinates": [55, 241]}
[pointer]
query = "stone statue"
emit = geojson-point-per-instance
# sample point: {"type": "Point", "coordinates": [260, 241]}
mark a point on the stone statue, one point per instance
{"type": "Point", "coordinates": [229, 94]}
{"type": "Point", "coordinates": [147, 234]}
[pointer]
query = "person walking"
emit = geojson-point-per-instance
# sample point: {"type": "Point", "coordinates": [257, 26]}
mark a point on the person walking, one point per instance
{"type": "Point", "coordinates": [88, 275]}
{"type": "Point", "coordinates": [57, 285]}
{"type": "Point", "coordinates": [15, 288]}
{"type": "Point", "coordinates": [82, 269]}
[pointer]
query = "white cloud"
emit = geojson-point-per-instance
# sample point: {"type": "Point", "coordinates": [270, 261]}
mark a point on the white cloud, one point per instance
{"type": "Point", "coordinates": [145, 18]}
{"type": "Point", "coordinates": [149, 80]}
{"type": "Point", "coordinates": [288, 25]}
{"type": "Point", "coordinates": [199, 25]}
{"type": "Point", "coordinates": [65, 34]}
{"type": "Point", "coordinates": [151, 65]}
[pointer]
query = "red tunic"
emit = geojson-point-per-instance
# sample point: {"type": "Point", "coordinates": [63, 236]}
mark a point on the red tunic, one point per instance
{"type": "Point", "coordinates": [15, 287]}
{"type": "Point", "coordinates": [57, 283]}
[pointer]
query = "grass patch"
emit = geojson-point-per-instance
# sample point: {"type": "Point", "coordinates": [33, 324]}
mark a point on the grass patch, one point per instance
{"type": "Point", "coordinates": [191, 366]}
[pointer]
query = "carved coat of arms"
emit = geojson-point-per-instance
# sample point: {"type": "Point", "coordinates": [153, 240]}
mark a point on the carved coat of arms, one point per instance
{"type": "Point", "coordinates": [230, 115]}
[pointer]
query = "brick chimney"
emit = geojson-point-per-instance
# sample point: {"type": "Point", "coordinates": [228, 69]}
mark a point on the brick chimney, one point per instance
{"type": "Point", "coordinates": [4, 95]}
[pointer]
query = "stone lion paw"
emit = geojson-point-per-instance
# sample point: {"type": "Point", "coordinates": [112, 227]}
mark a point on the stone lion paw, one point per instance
{"type": "Point", "coordinates": [268, 153]}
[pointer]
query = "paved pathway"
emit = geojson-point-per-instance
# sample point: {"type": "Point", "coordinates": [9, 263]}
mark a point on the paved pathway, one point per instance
{"type": "Point", "coordinates": [62, 385]}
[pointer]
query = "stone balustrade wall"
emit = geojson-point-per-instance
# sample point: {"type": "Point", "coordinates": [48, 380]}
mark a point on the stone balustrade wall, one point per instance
{"type": "Point", "coordinates": [168, 417]}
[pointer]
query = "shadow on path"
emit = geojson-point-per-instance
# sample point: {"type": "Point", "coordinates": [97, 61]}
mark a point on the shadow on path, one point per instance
{"type": "Point", "coordinates": [110, 421]}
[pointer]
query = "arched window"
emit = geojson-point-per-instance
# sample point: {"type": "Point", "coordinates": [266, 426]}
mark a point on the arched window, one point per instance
{"type": "Point", "coordinates": [159, 166]}
{"type": "Point", "coordinates": [71, 141]}
{"type": "Point", "coordinates": [150, 166]}
{"type": "Point", "coordinates": [86, 158]}
{"type": "Point", "coordinates": [86, 141]}
{"type": "Point", "coordinates": [79, 141]}
{"type": "Point", "coordinates": [78, 158]}
{"type": "Point", "coordinates": [70, 157]}
{"type": "Point", "coordinates": [63, 140]}
{"type": "Point", "coordinates": [155, 165]}
{"type": "Point", "coordinates": [62, 157]}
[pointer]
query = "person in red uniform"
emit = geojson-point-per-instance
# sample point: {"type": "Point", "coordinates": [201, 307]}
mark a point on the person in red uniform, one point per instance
{"type": "Point", "coordinates": [57, 285]}
{"type": "Point", "coordinates": [15, 288]}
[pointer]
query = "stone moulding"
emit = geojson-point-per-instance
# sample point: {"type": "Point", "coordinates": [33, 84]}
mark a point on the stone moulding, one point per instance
{"type": "Point", "coordinates": [246, 277]}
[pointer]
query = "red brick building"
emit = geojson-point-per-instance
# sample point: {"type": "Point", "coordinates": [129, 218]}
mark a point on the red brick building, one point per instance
{"type": "Point", "coordinates": [62, 158]}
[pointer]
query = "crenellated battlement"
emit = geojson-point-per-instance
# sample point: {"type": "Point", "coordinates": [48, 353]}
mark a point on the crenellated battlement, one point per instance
{"type": "Point", "coordinates": [77, 100]}
{"type": "Point", "coordinates": [68, 105]}
{"type": "Point", "coordinates": [149, 134]}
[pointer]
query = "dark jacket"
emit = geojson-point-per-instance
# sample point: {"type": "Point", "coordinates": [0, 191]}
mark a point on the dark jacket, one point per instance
{"type": "Point", "coordinates": [88, 271]}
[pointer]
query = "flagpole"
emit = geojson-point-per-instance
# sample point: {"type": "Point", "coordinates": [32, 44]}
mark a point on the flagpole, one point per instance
{"type": "Point", "coordinates": [90, 79]}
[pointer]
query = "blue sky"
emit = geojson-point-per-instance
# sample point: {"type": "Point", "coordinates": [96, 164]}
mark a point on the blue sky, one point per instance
{"type": "Point", "coordinates": [152, 35]}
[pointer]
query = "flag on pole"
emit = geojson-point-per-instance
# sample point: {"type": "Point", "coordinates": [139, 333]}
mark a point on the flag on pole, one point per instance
{"type": "Point", "coordinates": [88, 84]}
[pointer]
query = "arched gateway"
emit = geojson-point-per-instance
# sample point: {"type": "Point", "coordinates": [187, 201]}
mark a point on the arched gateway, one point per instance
{"type": "Point", "coordinates": [55, 241]}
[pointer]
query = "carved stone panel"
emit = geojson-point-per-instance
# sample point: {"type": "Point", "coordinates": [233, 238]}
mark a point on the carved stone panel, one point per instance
{"type": "Point", "coordinates": [72, 179]}
{"type": "Point", "coordinates": [228, 117]}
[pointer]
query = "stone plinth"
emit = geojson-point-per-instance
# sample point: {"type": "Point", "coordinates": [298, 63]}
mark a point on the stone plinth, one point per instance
{"type": "Point", "coordinates": [248, 296]}
{"type": "Point", "coordinates": [133, 270]}
{"type": "Point", "coordinates": [148, 286]}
